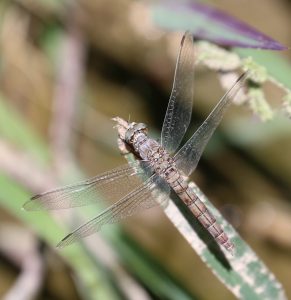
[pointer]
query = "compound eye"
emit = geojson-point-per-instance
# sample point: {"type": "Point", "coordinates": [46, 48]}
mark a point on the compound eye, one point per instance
{"type": "Point", "coordinates": [141, 127]}
{"type": "Point", "coordinates": [129, 135]}
{"type": "Point", "coordinates": [133, 129]}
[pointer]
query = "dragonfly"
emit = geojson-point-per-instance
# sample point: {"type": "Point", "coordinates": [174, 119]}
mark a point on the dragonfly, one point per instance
{"type": "Point", "coordinates": [159, 169]}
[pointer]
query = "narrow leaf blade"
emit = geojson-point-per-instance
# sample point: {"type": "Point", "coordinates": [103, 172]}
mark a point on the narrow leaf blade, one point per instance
{"type": "Point", "coordinates": [208, 23]}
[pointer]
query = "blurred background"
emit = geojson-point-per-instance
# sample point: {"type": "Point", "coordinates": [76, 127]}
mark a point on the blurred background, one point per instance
{"type": "Point", "coordinates": [67, 68]}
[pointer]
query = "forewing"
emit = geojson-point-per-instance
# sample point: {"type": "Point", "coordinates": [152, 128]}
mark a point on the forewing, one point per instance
{"type": "Point", "coordinates": [178, 115]}
{"type": "Point", "coordinates": [111, 185]}
{"type": "Point", "coordinates": [152, 192]}
{"type": "Point", "coordinates": [188, 156]}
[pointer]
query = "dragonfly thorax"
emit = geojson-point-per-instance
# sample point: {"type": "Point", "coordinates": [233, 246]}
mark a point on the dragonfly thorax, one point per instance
{"type": "Point", "coordinates": [133, 130]}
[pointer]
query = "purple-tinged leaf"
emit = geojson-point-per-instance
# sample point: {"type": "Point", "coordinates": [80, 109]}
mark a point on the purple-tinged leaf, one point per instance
{"type": "Point", "coordinates": [209, 23]}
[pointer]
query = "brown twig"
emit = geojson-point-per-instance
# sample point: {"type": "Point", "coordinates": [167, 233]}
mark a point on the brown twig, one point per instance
{"type": "Point", "coordinates": [27, 257]}
{"type": "Point", "coordinates": [69, 81]}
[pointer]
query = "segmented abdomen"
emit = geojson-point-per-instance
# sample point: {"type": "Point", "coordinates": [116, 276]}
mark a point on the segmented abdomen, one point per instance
{"type": "Point", "coordinates": [163, 164]}
{"type": "Point", "coordinates": [200, 211]}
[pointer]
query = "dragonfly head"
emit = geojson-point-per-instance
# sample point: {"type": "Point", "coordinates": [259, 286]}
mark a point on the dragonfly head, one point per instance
{"type": "Point", "coordinates": [133, 129]}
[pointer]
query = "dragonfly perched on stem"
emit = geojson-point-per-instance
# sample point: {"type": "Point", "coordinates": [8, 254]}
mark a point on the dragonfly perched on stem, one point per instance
{"type": "Point", "coordinates": [158, 170]}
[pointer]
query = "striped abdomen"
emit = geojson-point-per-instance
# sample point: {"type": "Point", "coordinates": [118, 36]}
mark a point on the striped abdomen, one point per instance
{"type": "Point", "coordinates": [200, 211]}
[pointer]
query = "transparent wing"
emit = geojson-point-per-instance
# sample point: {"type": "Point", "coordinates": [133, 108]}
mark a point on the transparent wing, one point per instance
{"type": "Point", "coordinates": [188, 156]}
{"type": "Point", "coordinates": [139, 199]}
{"type": "Point", "coordinates": [111, 185]}
{"type": "Point", "coordinates": [178, 115]}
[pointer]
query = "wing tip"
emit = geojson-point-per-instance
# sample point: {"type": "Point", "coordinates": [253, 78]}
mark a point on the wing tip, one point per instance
{"type": "Point", "coordinates": [26, 206]}
{"type": "Point", "coordinates": [31, 205]}
{"type": "Point", "coordinates": [64, 242]}
{"type": "Point", "coordinates": [243, 76]}
{"type": "Point", "coordinates": [187, 34]}
{"type": "Point", "coordinates": [61, 244]}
